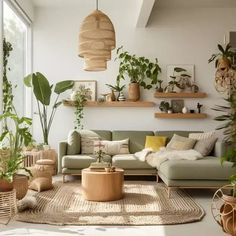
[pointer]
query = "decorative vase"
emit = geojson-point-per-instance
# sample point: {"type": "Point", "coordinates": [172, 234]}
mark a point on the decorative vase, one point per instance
{"type": "Point", "coordinates": [134, 92]}
{"type": "Point", "coordinates": [5, 186]}
{"type": "Point", "coordinates": [113, 96]}
{"type": "Point", "coordinates": [121, 97]}
{"type": "Point", "coordinates": [159, 89]}
{"type": "Point", "coordinates": [73, 96]}
{"type": "Point", "coordinates": [185, 110]}
{"type": "Point", "coordinates": [20, 184]}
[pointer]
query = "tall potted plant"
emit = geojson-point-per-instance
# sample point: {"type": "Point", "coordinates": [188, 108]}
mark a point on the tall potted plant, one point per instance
{"type": "Point", "coordinates": [140, 70]}
{"type": "Point", "coordinates": [42, 91]}
{"type": "Point", "coordinates": [228, 212]}
{"type": "Point", "coordinates": [12, 142]}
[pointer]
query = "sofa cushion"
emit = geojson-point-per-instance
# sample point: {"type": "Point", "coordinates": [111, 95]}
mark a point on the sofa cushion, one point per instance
{"type": "Point", "coordinates": [87, 139]}
{"type": "Point", "coordinates": [136, 138]}
{"type": "Point", "coordinates": [112, 147]}
{"type": "Point", "coordinates": [155, 142]}
{"type": "Point", "coordinates": [169, 134]}
{"type": "Point", "coordinates": [180, 143]}
{"type": "Point", "coordinates": [104, 134]}
{"type": "Point", "coordinates": [73, 143]}
{"type": "Point", "coordinates": [206, 145]}
{"type": "Point", "coordinates": [80, 161]}
{"type": "Point", "coordinates": [129, 161]}
{"type": "Point", "coordinates": [208, 168]}
{"type": "Point", "coordinates": [199, 136]}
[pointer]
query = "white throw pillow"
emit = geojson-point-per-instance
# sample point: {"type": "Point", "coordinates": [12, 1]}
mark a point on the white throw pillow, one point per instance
{"type": "Point", "coordinates": [112, 147]}
{"type": "Point", "coordinates": [87, 140]}
{"type": "Point", "coordinates": [199, 136]}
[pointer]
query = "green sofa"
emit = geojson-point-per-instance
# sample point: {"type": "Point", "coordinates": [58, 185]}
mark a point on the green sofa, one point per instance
{"type": "Point", "coordinates": [203, 173]}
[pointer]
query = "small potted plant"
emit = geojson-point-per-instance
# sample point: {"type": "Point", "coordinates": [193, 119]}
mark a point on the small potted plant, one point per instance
{"type": "Point", "coordinates": [140, 70]}
{"type": "Point", "coordinates": [117, 87]}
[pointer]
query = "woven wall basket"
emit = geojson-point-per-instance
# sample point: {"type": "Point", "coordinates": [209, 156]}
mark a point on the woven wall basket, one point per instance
{"type": "Point", "coordinates": [96, 40]}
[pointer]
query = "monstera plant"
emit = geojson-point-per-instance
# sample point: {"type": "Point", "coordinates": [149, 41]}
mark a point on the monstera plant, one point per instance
{"type": "Point", "coordinates": [43, 91]}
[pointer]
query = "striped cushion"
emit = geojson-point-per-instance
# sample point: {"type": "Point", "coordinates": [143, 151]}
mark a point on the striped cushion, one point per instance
{"type": "Point", "coordinates": [87, 139]}
{"type": "Point", "coordinates": [199, 136]}
{"type": "Point", "coordinates": [112, 147]}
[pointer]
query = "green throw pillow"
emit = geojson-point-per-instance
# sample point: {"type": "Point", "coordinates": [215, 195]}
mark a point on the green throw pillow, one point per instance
{"type": "Point", "coordinates": [73, 141]}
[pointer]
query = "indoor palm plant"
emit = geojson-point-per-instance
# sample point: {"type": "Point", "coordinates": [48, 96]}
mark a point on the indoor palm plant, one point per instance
{"type": "Point", "coordinates": [12, 142]}
{"type": "Point", "coordinates": [42, 91]}
{"type": "Point", "coordinates": [229, 118]}
{"type": "Point", "coordinates": [140, 70]}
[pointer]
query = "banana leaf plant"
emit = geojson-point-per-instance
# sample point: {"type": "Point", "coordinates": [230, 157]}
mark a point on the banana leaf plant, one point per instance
{"type": "Point", "coordinates": [229, 127]}
{"type": "Point", "coordinates": [12, 142]}
{"type": "Point", "coordinates": [42, 91]}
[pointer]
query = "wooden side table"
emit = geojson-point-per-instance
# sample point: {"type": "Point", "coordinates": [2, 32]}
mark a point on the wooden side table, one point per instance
{"type": "Point", "coordinates": [8, 207]}
{"type": "Point", "coordinates": [102, 186]}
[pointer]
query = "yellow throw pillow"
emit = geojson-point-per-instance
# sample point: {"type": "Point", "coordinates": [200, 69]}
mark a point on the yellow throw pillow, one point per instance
{"type": "Point", "coordinates": [155, 142]}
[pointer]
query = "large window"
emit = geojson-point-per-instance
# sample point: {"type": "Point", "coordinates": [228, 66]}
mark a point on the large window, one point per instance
{"type": "Point", "coordinates": [16, 32]}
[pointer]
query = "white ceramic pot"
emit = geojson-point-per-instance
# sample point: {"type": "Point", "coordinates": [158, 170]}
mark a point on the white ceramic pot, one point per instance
{"type": "Point", "coordinates": [185, 110]}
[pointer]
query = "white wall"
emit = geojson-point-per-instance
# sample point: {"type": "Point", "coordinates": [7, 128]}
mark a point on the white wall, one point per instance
{"type": "Point", "coordinates": [174, 36]}
{"type": "Point", "coordinates": [28, 7]}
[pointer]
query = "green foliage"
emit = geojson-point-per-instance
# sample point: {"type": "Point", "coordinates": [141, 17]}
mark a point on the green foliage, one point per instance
{"type": "Point", "coordinates": [81, 98]}
{"type": "Point", "coordinates": [42, 91]}
{"type": "Point", "coordinates": [12, 142]}
{"type": "Point", "coordinates": [7, 86]}
{"type": "Point", "coordinates": [224, 53]}
{"type": "Point", "coordinates": [164, 106]}
{"type": "Point", "coordinates": [229, 127]}
{"type": "Point", "coordinates": [139, 69]}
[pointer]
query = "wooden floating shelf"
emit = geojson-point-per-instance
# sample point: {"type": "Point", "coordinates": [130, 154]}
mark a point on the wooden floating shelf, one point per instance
{"type": "Point", "coordinates": [112, 104]}
{"type": "Point", "coordinates": [181, 115]}
{"type": "Point", "coordinates": [180, 95]}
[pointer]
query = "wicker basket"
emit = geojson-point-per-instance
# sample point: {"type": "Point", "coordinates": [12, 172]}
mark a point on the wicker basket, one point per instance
{"type": "Point", "coordinates": [20, 183]}
{"type": "Point", "coordinates": [8, 206]}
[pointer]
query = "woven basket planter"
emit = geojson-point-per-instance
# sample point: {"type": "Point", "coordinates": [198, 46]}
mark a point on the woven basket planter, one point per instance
{"type": "Point", "coordinates": [20, 183]}
{"type": "Point", "coordinates": [8, 206]}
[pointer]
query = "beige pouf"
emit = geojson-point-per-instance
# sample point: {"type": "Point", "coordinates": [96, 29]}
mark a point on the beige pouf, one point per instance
{"type": "Point", "coordinates": [46, 165]}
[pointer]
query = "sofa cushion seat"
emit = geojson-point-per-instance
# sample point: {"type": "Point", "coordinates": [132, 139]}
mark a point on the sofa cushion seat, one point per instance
{"type": "Point", "coordinates": [208, 168]}
{"type": "Point", "coordinates": [129, 161]}
{"type": "Point", "coordinates": [80, 161]}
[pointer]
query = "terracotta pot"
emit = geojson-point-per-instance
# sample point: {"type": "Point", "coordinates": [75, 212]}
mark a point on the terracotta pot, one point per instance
{"type": "Point", "coordinates": [134, 92]}
{"type": "Point", "coordinates": [20, 183]}
{"type": "Point", "coordinates": [5, 186]}
{"type": "Point", "coordinates": [228, 215]}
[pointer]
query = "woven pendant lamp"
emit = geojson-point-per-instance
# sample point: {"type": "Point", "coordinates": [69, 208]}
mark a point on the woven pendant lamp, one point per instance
{"type": "Point", "coordinates": [96, 40]}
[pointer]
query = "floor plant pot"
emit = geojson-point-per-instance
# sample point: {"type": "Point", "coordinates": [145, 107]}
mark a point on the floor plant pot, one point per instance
{"type": "Point", "coordinates": [5, 185]}
{"type": "Point", "coordinates": [20, 183]}
{"type": "Point", "coordinates": [134, 92]}
{"type": "Point", "coordinates": [228, 214]}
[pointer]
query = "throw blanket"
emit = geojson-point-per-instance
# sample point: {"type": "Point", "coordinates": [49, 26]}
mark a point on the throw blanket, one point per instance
{"type": "Point", "coordinates": [156, 158]}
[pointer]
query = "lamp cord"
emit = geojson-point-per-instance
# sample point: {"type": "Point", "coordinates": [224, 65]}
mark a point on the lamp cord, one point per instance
{"type": "Point", "coordinates": [96, 4]}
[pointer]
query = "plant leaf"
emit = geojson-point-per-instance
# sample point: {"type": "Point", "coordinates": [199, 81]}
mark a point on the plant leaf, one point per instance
{"type": "Point", "coordinates": [63, 86]}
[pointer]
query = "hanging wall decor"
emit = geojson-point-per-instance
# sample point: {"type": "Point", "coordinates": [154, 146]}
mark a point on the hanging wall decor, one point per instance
{"type": "Point", "coordinates": [96, 40]}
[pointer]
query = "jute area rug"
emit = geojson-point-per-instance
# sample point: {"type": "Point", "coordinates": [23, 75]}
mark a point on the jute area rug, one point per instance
{"type": "Point", "coordinates": [142, 204]}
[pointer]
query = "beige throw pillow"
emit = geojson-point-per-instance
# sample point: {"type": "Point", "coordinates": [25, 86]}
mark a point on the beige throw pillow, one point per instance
{"type": "Point", "coordinates": [112, 147]}
{"type": "Point", "coordinates": [205, 146]}
{"type": "Point", "coordinates": [87, 141]}
{"type": "Point", "coordinates": [199, 136]}
{"type": "Point", "coordinates": [180, 143]}
{"type": "Point", "coordinates": [41, 184]}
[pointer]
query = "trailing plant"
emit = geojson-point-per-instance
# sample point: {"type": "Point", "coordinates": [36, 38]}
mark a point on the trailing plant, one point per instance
{"type": "Point", "coordinates": [12, 142]}
{"type": "Point", "coordinates": [139, 69]}
{"type": "Point", "coordinates": [7, 85]}
{"type": "Point", "coordinates": [42, 91]}
{"type": "Point", "coordinates": [81, 98]}
{"type": "Point", "coordinates": [225, 53]}
{"type": "Point", "coordinates": [229, 127]}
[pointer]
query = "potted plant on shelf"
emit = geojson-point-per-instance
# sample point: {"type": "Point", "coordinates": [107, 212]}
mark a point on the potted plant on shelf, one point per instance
{"type": "Point", "coordinates": [42, 91]}
{"type": "Point", "coordinates": [12, 142]}
{"type": "Point", "coordinates": [227, 211]}
{"type": "Point", "coordinates": [223, 58]}
{"type": "Point", "coordinates": [140, 70]}
{"type": "Point", "coordinates": [81, 96]}
{"type": "Point", "coordinates": [116, 88]}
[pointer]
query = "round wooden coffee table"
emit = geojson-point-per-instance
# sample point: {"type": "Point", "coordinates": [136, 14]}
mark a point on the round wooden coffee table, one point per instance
{"type": "Point", "coordinates": [102, 186]}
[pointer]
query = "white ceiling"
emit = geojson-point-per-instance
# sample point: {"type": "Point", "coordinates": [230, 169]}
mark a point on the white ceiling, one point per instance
{"type": "Point", "coordinates": [122, 3]}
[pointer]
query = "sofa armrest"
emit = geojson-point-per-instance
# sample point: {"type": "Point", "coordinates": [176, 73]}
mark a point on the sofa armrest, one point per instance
{"type": "Point", "coordinates": [220, 148]}
{"type": "Point", "coordinates": [62, 151]}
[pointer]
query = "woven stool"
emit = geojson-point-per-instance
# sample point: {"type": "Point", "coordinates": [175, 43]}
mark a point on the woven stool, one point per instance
{"type": "Point", "coordinates": [46, 165]}
{"type": "Point", "coordinates": [8, 206]}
